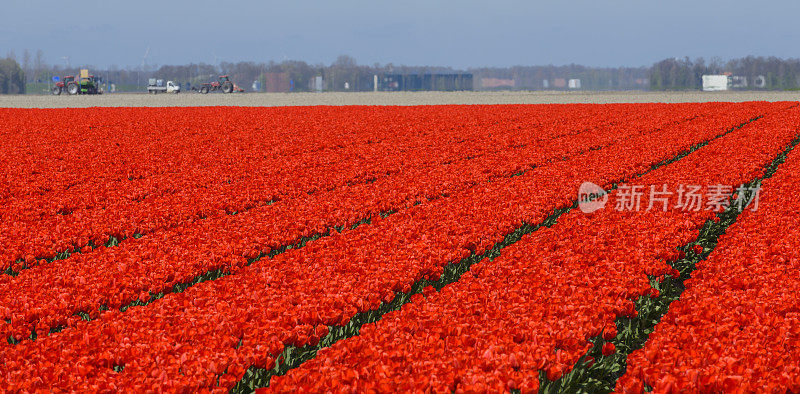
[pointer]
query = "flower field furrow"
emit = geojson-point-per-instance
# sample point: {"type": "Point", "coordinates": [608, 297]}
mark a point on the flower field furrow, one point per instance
{"type": "Point", "coordinates": [597, 371]}
{"type": "Point", "coordinates": [140, 270]}
{"type": "Point", "coordinates": [49, 225]}
{"type": "Point", "coordinates": [207, 335]}
{"type": "Point", "coordinates": [536, 306]}
{"type": "Point", "coordinates": [735, 326]}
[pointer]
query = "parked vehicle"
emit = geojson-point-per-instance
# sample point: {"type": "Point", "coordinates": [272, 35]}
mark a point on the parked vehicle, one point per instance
{"type": "Point", "coordinates": [158, 86]}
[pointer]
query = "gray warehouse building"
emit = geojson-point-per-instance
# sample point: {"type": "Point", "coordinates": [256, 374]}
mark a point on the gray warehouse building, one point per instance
{"type": "Point", "coordinates": [423, 82]}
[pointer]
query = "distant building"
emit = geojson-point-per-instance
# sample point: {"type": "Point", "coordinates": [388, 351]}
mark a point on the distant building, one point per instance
{"type": "Point", "coordinates": [496, 83]}
{"type": "Point", "coordinates": [738, 81]}
{"type": "Point", "coordinates": [712, 83]}
{"type": "Point", "coordinates": [316, 84]}
{"type": "Point", "coordinates": [423, 82]}
{"type": "Point", "coordinates": [559, 83]}
{"type": "Point", "coordinates": [574, 83]}
{"type": "Point", "coordinates": [276, 82]}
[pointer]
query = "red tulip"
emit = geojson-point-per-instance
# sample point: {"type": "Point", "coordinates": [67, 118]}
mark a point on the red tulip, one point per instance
{"type": "Point", "coordinates": [610, 332]}
{"type": "Point", "coordinates": [608, 349]}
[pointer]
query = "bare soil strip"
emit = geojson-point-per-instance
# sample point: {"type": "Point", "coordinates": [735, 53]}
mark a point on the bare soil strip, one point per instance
{"type": "Point", "coordinates": [191, 99]}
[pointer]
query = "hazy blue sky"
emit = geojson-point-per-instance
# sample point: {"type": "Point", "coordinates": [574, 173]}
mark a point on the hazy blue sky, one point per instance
{"type": "Point", "coordinates": [453, 33]}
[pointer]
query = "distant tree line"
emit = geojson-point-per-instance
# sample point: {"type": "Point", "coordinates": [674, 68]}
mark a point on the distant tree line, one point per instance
{"type": "Point", "coordinates": [770, 73]}
{"type": "Point", "coordinates": [680, 74]}
{"type": "Point", "coordinates": [12, 78]}
{"type": "Point", "coordinates": [346, 74]}
{"type": "Point", "coordinates": [343, 74]}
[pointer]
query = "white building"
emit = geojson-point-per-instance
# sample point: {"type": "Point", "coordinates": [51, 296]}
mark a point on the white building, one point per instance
{"type": "Point", "coordinates": [713, 83]}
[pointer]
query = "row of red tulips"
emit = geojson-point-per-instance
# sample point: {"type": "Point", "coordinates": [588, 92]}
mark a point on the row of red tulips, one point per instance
{"type": "Point", "coordinates": [536, 306]}
{"type": "Point", "coordinates": [210, 333]}
{"type": "Point", "coordinates": [138, 269]}
{"type": "Point", "coordinates": [736, 327]}
{"type": "Point", "coordinates": [212, 173]}
{"type": "Point", "coordinates": [109, 146]}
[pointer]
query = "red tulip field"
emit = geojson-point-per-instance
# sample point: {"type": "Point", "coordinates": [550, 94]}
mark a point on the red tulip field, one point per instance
{"type": "Point", "coordinates": [396, 249]}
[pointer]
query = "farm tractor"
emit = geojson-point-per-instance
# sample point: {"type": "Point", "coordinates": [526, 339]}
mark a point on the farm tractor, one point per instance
{"type": "Point", "coordinates": [68, 84]}
{"type": "Point", "coordinates": [86, 84]}
{"type": "Point", "coordinates": [224, 85]}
